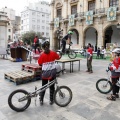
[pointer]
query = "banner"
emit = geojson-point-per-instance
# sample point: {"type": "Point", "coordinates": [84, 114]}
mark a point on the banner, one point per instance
{"type": "Point", "coordinates": [111, 13]}
{"type": "Point", "coordinates": [56, 22]}
{"type": "Point", "coordinates": [89, 17]}
{"type": "Point", "coordinates": [71, 20]}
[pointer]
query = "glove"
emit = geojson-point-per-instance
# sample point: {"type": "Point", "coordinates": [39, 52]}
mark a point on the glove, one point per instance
{"type": "Point", "coordinates": [112, 68]}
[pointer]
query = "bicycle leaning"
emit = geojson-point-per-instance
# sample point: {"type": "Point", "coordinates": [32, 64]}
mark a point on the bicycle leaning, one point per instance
{"type": "Point", "coordinates": [19, 100]}
{"type": "Point", "coordinates": [71, 54]}
{"type": "Point", "coordinates": [104, 85]}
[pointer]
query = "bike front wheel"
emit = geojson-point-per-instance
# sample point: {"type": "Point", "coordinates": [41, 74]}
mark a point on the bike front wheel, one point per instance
{"type": "Point", "coordinates": [63, 96]}
{"type": "Point", "coordinates": [18, 100]}
{"type": "Point", "coordinates": [104, 86]}
{"type": "Point", "coordinates": [72, 54]}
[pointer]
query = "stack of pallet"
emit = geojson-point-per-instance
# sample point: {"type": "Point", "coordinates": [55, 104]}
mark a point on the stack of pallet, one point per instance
{"type": "Point", "coordinates": [33, 68]}
{"type": "Point", "coordinates": [29, 72]}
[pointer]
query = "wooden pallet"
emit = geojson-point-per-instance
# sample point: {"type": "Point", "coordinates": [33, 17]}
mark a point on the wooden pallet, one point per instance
{"type": "Point", "coordinates": [19, 76]}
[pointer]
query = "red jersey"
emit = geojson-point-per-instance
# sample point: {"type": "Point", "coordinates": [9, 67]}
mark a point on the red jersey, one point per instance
{"type": "Point", "coordinates": [35, 40]}
{"type": "Point", "coordinates": [52, 56]}
{"type": "Point", "coordinates": [90, 51]}
{"type": "Point", "coordinates": [116, 62]}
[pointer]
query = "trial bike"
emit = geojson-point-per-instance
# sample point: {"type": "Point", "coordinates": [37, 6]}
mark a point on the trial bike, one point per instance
{"type": "Point", "coordinates": [71, 54]}
{"type": "Point", "coordinates": [19, 100]}
{"type": "Point", "coordinates": [104, 85]}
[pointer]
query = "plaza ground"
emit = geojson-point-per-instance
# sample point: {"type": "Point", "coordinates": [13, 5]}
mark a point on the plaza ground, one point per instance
{"type": "Point", "coordinates": [87, 102]}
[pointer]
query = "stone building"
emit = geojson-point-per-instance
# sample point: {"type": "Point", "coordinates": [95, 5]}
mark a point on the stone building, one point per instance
{"type": "Point", "coordinates": [3, 29]}
{"type": "Point", "coordinates": [92, 21]}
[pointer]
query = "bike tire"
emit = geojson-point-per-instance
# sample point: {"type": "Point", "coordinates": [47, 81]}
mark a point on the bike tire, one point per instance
{"type": "Point", "coordinates": [72, 55]}
{"type": "Point", "coordinates": [12, 106]}
{"type": "Point", "coordinates": [58, 91]}
{"type": "Point", "coordinates": [105, 84]}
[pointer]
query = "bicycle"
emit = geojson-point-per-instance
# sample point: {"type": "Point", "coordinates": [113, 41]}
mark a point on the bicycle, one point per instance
{"type": "Point", "coordinates": [71, 54]}
{"type": "Point", "coordinates": [62, 96]}
{"type": "Point", "coordinates": [104, 85]}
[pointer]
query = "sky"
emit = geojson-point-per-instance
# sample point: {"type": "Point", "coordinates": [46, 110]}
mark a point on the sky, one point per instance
{"type": "Point", "coordinates": [17, 5]}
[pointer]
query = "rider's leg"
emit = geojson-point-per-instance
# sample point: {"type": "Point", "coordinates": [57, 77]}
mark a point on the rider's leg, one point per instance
{"type": "Point", "coordinates": [52, 90]}
{"type": "Point", "coordinates": [63, 46]}
{"type": "Point", "coordinates": [44, 82]}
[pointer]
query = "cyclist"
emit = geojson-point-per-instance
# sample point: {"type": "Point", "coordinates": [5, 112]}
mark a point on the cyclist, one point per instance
{"type": "Point", "coordinates": [47, 61]}
{"type": "Point", "coordinates": [66, 38]}
{"type": "Point", "coordinates": [115, 73]}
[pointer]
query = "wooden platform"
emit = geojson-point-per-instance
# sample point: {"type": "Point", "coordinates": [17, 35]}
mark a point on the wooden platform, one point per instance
{"type": "Point", "coordinates": [19, 76]}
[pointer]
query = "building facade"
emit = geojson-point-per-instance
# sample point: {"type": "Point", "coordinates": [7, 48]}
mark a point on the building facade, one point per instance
{"type": "Point", "coordinates": [92, 21]}
{"type": "Point", "coordinates": [11, 18]}
{"type": "Point", "coordinates": [36, 17]}
{"type": "Point", "coordinates": [3, 29]}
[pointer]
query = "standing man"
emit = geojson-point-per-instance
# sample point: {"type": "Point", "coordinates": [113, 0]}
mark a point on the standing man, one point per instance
{"type": "Point", "coordinates": [66, 38]}
{"type": "Point", "coordinates": [47, 61]}
{"type": "Point", "coordinates": [36, 44]}
{"type": "Point", "coordinates": [89, 58]}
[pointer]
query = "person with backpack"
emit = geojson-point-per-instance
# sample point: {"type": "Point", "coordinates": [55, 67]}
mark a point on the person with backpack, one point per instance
{"type": "Point", "coordinates": [47, 61]}
{"type": "Point", "coordinates": [66, 38]}
{"type": "Point", "coordinates": [36, 44]}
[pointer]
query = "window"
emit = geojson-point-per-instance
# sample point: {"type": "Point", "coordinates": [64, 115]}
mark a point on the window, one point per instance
{"type": "Point", "coordinates": [33, 20]}
{"type": "Point", "coordinates": [33, 26]}
{"type": "Point", "coordinates": [91, 5]}
{"type": "Point", "coordinates": [43, 27]}
{"type": "Point", "coordinates": [8, 23]}
{"type": "Point", "coordinates": [9, 37]}
{"type": "Point", "coordinates": [74, 9]}
{"type": "Point", "coordinates": [43, 21]}
{"type": "Point", "coordinates": [9, 30]}
{"type": "Point", "coordinates": [22, 21]}
{"type": "Point", "coordinates": [114, 3]}
{"type": "Point", "coordinates": [59, 13]}
{"type": "Point", "coordinates": [47, 34]}
{"type": "Point", "coordinates": [38, 21]}
{"type": "Point", "coordinates": [33, 13]}
{"type": "Point", "coordinates": [43, 15]}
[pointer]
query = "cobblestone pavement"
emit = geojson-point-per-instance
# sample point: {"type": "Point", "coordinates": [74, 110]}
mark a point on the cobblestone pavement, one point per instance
{"type": "Point", "coordinates": [87, 102]}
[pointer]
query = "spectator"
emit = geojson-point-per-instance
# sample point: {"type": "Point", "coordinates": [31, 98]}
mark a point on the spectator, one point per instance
{"type": "Point", "coordinates": [98, 53]}
{"type": "Point", "coordinates": [89, 58]}
{"type": "Point", "coordinates": [36, 44]}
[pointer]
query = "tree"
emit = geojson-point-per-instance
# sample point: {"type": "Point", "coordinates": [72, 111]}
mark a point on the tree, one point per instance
{"type": "Point", "coordinates": [29, 37]}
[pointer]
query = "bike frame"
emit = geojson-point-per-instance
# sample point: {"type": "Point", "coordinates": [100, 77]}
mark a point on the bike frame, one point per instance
{"type": "Point", "coordinates": [43, 88]}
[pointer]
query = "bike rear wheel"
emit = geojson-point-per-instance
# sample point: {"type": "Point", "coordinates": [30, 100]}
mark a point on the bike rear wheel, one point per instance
{"type": "Point", "coordinates": [72, 54]}
{"type": "Point", "coordinates": [104, 86]}
{"type": "Point", "coordinates": [63, 96]}
{"type": "Point", "coordinates": [18, 100]}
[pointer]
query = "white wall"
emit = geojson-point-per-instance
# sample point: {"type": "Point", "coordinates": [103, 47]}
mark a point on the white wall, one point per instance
{"type": "Point", "coordinates": [90, 36]}
{"type": "Point", "coordinates": [3, 36]}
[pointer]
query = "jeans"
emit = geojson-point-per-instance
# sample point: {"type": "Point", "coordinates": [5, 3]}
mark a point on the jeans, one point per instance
{"type": "Point", "coordinates": [63, 45]}
{"type": "Point", "coordinates": [52, 89]}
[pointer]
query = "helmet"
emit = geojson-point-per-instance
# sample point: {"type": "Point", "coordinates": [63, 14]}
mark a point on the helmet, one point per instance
{"type": "Point", "coordinates": [116, 50]}
{"type": "Point", "coordinates": [45, 44]}
{"type": "Point", "coordinates": [70, 32]}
